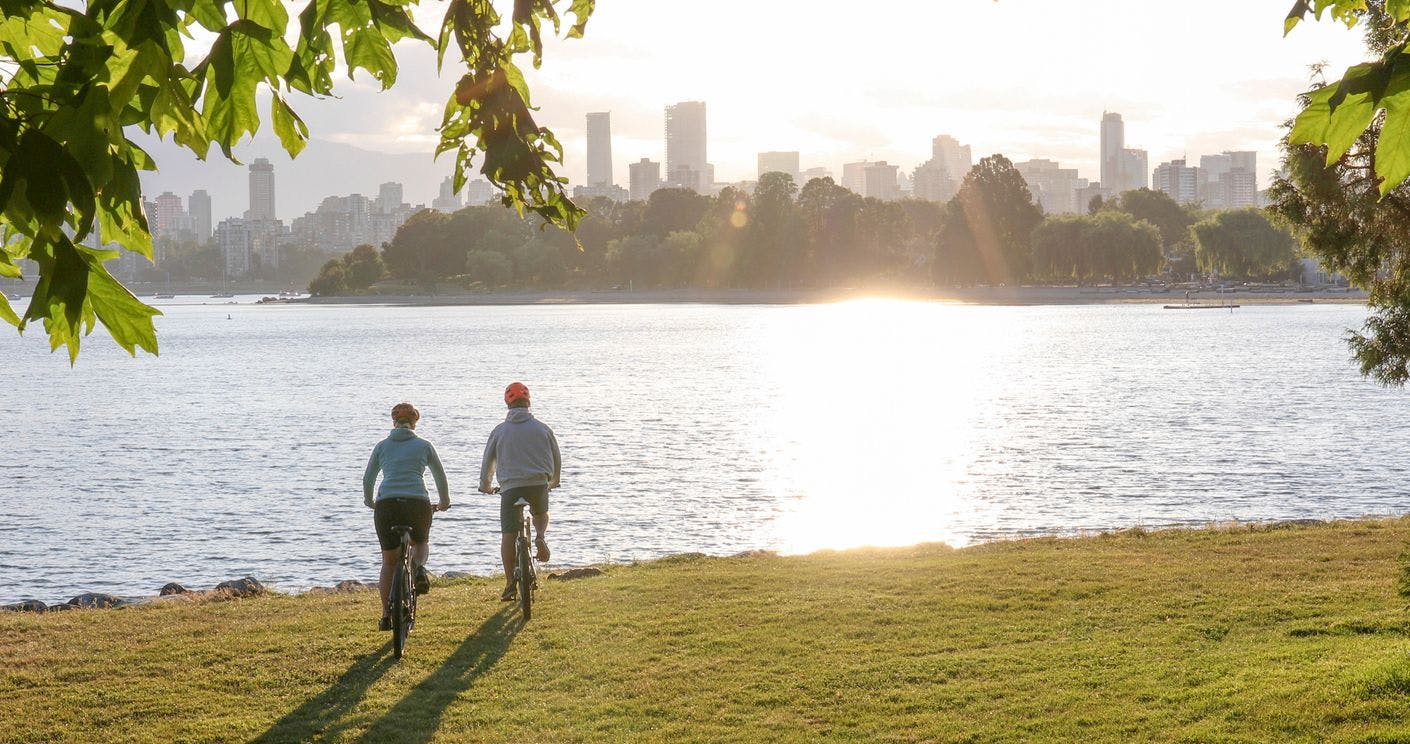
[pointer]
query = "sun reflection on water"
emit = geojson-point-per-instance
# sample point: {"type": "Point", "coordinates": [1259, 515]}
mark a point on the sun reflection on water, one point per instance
{"type": "Point", "coordinates": [873, 418]}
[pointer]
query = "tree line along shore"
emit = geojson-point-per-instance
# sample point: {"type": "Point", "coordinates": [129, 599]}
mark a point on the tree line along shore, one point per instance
{"type": "Point", "coordinates": [822, 236]}
{"type": "Point", "coordinates": [1293, 632]}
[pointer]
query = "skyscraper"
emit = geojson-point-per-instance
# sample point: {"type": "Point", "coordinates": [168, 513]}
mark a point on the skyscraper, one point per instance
{"type": "Point", "coordinates": [599, 149]}
{"type": "Point", "coordinates": [448, 201]}
{"type": "Point", "coordinates": [261, 190]}
{"type": "Point", "coordinates": [199, 206]}
{"type": "Point", "coordinates": [1113, 142]}
{"type": "Point", "coordinates": [685, 145]}
{"type": "Point", "coordinates": [1134, 167]}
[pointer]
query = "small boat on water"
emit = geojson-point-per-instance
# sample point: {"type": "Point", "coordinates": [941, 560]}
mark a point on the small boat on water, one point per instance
{"type": "Point", "coordinates": [163, 296]}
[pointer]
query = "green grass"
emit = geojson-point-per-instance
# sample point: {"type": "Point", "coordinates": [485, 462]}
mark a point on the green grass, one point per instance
{"type": "Point", "coordinates": [1255, 635]}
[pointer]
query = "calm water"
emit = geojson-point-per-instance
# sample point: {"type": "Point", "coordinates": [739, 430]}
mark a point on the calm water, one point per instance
{"type": "Point", "coordinates": [685, 428]}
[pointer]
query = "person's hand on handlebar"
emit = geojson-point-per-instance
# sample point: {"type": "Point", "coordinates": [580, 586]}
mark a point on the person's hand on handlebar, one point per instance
{"type": "Point", "coordinates": [443, 506]}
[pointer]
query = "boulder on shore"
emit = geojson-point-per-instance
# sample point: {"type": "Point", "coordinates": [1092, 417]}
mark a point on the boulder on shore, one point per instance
{"type": "Point", "coordinates": [172, 588]}
{"type": "Point", "coordinates": [246, 587]}
{"type": "Point", "coordinates": [96, 600]}
{"type": "Point", "coordinates": [353, 585]}
{"type": "Point", "coordinates": [28, 605]}
{"type": "Point", "coordinates": [576, 573]}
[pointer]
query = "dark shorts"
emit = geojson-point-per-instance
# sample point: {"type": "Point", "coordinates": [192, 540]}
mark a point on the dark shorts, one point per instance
{"type": "Point", "coordinates": [537, 496]}
{"type": "Point", "coordinates": [388, 513]}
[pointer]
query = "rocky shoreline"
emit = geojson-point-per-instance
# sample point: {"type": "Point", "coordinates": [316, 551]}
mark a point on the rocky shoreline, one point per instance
{"type": "Point", "coordinates": [249, 586]}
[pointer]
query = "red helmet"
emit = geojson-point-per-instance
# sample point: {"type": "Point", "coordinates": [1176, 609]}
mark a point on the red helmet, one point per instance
{"type": "Point", "coordinates": [405, 413]}
{"type": "Point", "coordinates": [515, 391]}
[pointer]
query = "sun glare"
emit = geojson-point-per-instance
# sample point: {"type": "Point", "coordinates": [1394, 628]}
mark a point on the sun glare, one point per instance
{"type": "Point", "coordinates": [872, 423]}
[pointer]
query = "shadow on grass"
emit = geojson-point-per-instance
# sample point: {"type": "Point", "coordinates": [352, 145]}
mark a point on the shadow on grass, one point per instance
{"type": "Point", "coordinates": [416, 717]}
{"type": "Point", "coordinates": [323, 715]}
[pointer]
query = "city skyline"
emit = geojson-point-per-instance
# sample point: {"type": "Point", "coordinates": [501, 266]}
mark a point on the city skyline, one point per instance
{"type": "Point", "coordinates": [1094, 58]}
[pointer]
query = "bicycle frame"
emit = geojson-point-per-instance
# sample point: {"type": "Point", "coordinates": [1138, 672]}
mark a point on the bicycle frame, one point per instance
{"type": "Point", "coordinates": [525, 566]}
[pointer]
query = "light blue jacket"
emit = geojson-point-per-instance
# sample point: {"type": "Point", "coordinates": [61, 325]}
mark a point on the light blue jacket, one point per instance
{"type": "Point", "coordinates": [402, 459]}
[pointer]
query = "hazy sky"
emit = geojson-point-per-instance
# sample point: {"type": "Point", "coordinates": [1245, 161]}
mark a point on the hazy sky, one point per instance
{"type": "Point", "coordinates": [1028, 78]}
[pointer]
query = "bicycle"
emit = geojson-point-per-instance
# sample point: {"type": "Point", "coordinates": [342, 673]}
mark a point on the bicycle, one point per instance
{"type": "Point", "coordinates": [401, 600]}
{"type": "Point", "coordinates": [526, 572]}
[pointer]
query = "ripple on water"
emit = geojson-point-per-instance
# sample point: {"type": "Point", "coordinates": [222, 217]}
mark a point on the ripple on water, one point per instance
{"type": "Point", "coordinates": [1006, 422]}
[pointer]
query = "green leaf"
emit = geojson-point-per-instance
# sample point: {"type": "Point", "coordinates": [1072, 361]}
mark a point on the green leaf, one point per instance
{"type": "Point", "coordinates": [1399, 10]}
{"type": "Point", "coordinates": [127, 318]}
{"type": "Point", "coordinates": [1393, 145]}
{"type": "Point", "coordinates": [60, 294]}
{"type": "Point", "coordinates": [1347, 123]}
{"type": "Point", "coordinates": [292, 131]}
{"type": "Point", "coordinates": [7, 313]}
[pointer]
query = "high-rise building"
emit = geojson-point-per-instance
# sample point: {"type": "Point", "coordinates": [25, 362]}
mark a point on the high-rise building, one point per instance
{"type": "Point", "coordinates": [874, 179]}
{"type": "Point", "coordinates": [780, 162]}
{"type": "Point", "coordinates": [880, 182]}
{"type": "Point", "coordinates": [261, 190]}
{"type": "Point", "coordinates": [812, 173]}
{"type": "Point", "coordinates": [448, 201]}
{"type": "Point", "coordinates": [1113, 142]}
{"type": "Point", "coordinates": [1134, 170]}
{"type": "Point", "coordinates": [1177, 180]}
{"type": "Point", "coordinates": [599, 149]}
{"type": "Point", "coordinates": [1123, 168]}
{"type": "Point", "coordinates": [938, 178]}
{"type": "Point", "coordinates": [199, 207]}
{"type": "Point", "coordinates": [1229, 180]}
{"type": "Point", "coordinates": [389, 197]}
{"type": "Point", "coordinates": [168, 216]}
{"type": "Point", "coordinates": [685, 145]}
{"type": "Point", "coordinates": [645, 177]}
{"type": "Point", "coordinates": [1054, 187]}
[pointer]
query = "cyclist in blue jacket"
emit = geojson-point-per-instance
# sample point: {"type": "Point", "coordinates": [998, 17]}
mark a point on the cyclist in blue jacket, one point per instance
{"type": "Point", "coordinates": [403, 458]}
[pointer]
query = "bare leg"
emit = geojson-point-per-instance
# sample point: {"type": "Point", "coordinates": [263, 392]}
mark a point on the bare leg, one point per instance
{"type": "Point", "coordinates": [419, 553]}
{"type": "Point", "coordinates": [541, 524]}
{"type": "Point", "coordinates": [506, 554]}
{"type": "Point", "coordinates": [389, 567]}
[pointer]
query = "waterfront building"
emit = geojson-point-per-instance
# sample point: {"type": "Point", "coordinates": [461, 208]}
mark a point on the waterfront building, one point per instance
{"type": "Point", "coordinates": [686, 145]}
{"type": "Point", "coordinates": [599, 149]}
{"type": "Point", "coordinates": [780, 162]}
{"type": "Point", "coordinates": [645, 177]}
{"type": "Point", "coordinates": [247, 244]}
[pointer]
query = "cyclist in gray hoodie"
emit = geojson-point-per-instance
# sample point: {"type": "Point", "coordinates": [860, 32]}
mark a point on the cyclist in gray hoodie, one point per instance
{"type": "Point", "coordinates": [523, 452]}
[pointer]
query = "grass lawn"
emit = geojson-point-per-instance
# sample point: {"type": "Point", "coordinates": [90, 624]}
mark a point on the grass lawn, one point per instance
{"type": "Point", "coordinates": [1257, 635]}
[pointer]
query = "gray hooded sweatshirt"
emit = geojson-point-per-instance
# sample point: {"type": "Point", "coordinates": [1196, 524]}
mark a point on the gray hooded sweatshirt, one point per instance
{"type": "Point", "coordinates": [523, 451]}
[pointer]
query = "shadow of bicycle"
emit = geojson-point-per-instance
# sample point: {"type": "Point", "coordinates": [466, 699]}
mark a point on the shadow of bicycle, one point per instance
{"type": "Point", "coordinates": [324, 715]}
{"type": "Point", "coordinates": [416, 717]}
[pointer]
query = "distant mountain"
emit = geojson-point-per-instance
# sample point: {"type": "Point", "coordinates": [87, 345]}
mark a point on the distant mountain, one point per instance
{"type": "Point", "coordinates": [323, 169]}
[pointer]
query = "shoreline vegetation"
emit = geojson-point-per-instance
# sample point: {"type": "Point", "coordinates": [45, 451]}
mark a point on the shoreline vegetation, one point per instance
{"type": "Point", "coordinates": [1287, 632]}
{"type": "Point", "coordinates": [999, 296]}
